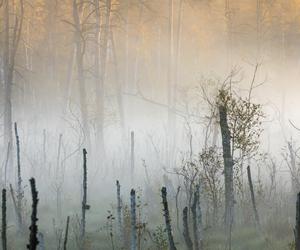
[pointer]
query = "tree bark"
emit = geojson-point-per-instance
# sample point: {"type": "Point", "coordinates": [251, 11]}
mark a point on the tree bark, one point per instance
{"type": "Point", "coordinates": [80, 50]}
{"type": "Point", "coordinates": [253, 197]}
{"type": "Point", "coordinates": [186, 233]}
{"type": "Point", "coordinates": [133, 220]}
{"type": "Point", "coordinates": [228, 172]}
{"type": "Point", "coordinates": [297, 227]}
{"type": "Point", "coordinates": [167, 218]}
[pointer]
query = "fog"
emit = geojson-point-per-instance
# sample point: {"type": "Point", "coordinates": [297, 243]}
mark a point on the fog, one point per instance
{"type": "Point", "coordinates": [141, 85]}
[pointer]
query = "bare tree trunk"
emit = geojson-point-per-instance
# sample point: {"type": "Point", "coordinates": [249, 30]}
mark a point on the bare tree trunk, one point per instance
{"type": "Point", "coordinates": [59, 181]}
{"type": "Point", "coordinates": [167, 218]}
{"type": "Point", "coordinates": [119, 214]}
{"type": "Point", "coordinates": [33, 240]}
{"type": "Point", "coordinates": [84, 198]}
{"type": "Point", "coordinates": [228, 172]}
{"type": "Point", "coordinates": [133, 220]}
{"type": "Point", "coordinates": [253, 197]}
{"type": "Point", "coordinates": [119, 88]}
{"type": "Point", "coordinates": [66, 233]}
{"type": "Point", "coordinates": [297, 227]}
{"type": "Point", "coordinates": [293, 171]}
{"type": "Point", "coordinates": [132, 157]}
{"type": "Point", "coordinates": [7, 82]}
{"type": "Point", "coordinates": [19, 182]}
{"type": "Point", "coordinates": [195, 222]}
{"type": "Point", "coordinates": [199, 218]}
{"type": "Point", "coordinates": [4, 222]}
{"type": "Point", "coordinates": [186, 233]}
{"type": "Point", "coordinates": [98, 81]}
{"type": "Point", "coordinates": [80, 50]}
{"type": "Point", "coordinates": [10, 47]}
{"type": "Point", "coordinates": [170, 88]}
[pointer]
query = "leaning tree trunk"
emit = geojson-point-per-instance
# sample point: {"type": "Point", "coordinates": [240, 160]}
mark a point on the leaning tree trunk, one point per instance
{"type": "Point", "coordinates": [228, 172]}
{"type": "Point", "coordinates": [66, 233]}
{"type": "Point", "coordinates": [167, 218]}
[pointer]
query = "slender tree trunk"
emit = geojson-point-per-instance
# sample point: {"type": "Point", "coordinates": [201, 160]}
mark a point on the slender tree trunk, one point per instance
{"type": "Point", "coordinates": [10, 47]}
{"type": "Point", "coordinates": [79, 42]}
{"type": "Point", "coordinates": [99, 86]}
{"type": "Point", "coordinates": [170, 87]}
{"type": "Point", "coordinates": [84, 198]}
{"type": "Point", "coordinates": [195, 222]}
{"type": "Point", "coordinates": [297, 227]}
{"type": "Point", "coordinates": [66, 233]}
{"type": "Point", "coordinates": [19, 181]}
{"type": "Point", "coordinates": [119, 213]}
{"type": "Point", "coordinates": [132, 157]}
{"type": "Point", "coordinates": [186, 232]}
{"type": "Point", "coordinates": [133, 220]}
{"type": "Point", "coordinates": [253, 197]}
{"type": "Point", "coordinates": [293, 172]}
{"type": "Point", "coordinates": [119, 88]}
{"type": "Point", "coordinates": [4, 223]}
{"type": "Point", "coordinates": [33, 240]}
{"type": "Point", "coordinates": [7, 83]}
{"type": "Point", "coordinates": [228, 172]}
{"type": "Point", "coordinates": [167, 218]}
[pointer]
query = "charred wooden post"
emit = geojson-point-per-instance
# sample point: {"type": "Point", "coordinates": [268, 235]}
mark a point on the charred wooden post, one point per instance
{"type": "Point", "coordinates": [186, 232]}
{"type": "Point", "coordinates": [19, 183]}
{"type": "Point", "coordinates": [167, 218]}
{"type": "Point", "coordinates": [33, 240]}
{"type": "Point", "coordinates": [133, 220]}
{"type": "Point", "coordinates": [253, 197]}
{"type": "Point", "coordinates": [66, 233]}
{"type": "Point", "coordinates": [4, 223]}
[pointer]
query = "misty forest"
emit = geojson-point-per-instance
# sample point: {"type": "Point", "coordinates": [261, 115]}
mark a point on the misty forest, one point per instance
{"type": "Point", "coordinates": [150, 124]}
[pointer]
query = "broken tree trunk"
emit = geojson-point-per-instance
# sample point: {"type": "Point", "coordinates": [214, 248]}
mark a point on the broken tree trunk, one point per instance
{"type": "Point", "coordinates": [167, 218]}
{"type": "Point", "coordinates": [186, 233]}
{"type": "Point", "coordinates": [133, 220]}
{"type": "Point", "coordinates": [4, 223]}
{"type": "Point", "coordinates": [33, 240]}
{"type": "Point", "coordinates": [253, 197]}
